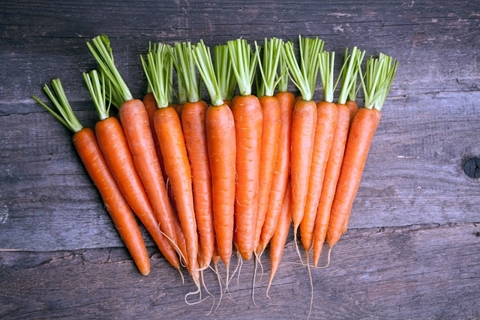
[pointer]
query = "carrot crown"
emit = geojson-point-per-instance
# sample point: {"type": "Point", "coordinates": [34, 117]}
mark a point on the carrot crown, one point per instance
{"type": "Point", "coordinates": [186, 71]}
{"type": "Point", "coordinates": [268, 65]}
{"type": "Point", "coordinates": [158, 69]}
{"type": "Point", "coordinates": [282, 71]}
{"type": "Point", "coordinates": [379, 75]}
{"type": "Point", "coordinates": [224, 71]}
{"type": "Point", "coordinates": [203, 59]}
{"type": "Point", "coordinates": [304, 75]}
{"type": "Point", "coordinates": [97, 88]}
{"type": "Point", "coordinates": [326, 63]}
{"type": "Point", "coordinates": [351, 66]}
{"type": "Point", "coordinates": [65, 113]}
{"type": "Point", "coordinates": [244, 63]}
{"type": "Point", "coordinates": [101, 50]}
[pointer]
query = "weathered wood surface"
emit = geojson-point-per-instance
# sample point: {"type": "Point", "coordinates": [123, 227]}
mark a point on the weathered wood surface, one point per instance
{"type": "Point", "coordinates": [69, 264]}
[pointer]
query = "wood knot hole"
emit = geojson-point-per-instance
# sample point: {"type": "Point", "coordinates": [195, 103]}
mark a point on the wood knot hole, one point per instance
{"type": "Point", "coordinates": [471, 167]}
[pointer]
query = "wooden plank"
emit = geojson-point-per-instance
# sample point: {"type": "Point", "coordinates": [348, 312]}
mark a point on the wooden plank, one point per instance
{"type": "Point", "coordinates": [421, 272]}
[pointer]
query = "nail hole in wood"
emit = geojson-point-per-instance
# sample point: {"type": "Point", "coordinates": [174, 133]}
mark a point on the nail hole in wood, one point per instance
{"type": "Point", "coordinates": [471, 167]}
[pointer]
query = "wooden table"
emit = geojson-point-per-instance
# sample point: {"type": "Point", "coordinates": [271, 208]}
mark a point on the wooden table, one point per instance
{"type": "Point", "coordinates": [412, 249]}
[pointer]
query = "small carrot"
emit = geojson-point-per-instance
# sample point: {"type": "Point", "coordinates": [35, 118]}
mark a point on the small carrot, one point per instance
{"type": "Point", "coordinates": [380, 73]}
{"type": "Point", "coordinates": [304, 120]}
{"type": "Point", "coordinates": [172, 144]}
{"type": "Point", "coordinates": [327, 117]}
{"type": "Point", "coordinates": [220, 130]}
{"type": "Point", "coordinates": [224, 72]}
{"type": "Point", "coordinates": [280, 236]}
{"type": "Point", "coordinates": [247, 114]}
{"type": "Point", "coordinates": [193, 123]}
{"type": "Point", "coordinates": [282, 162]}
{"type": "Point", "coordinates": [138, 134]}
{"type": "Point", "coordinates": [86, 145]}
{"type": "Point", "coordinates": [270, 104]}
{"type": "Point", "coordinates": [332, 170]}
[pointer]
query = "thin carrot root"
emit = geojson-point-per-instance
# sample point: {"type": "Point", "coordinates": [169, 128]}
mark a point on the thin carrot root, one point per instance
{"type": "Point", "coordinates": [219, 278]}
{"type": "Point", "coordinates": [328, 259]}
{"type": "Point", "coordinates": [311, 287]}
{"type": "Point", "coordinates": [177, 249]}
{"type": "Point", "coordinates": [181, 276]}
{"type": "Point", "coordinates": [296, 245]}
{"type": "Point", "coordinates": [199, 292]}
{"type": "Point", "coordinates": [206, 289]}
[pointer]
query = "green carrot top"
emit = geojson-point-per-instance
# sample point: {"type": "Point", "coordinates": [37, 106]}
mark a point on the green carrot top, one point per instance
{"type": "Point", "coordinates": [224, 71]}
{"type": "Point", "coordinates": [65, 113]}
{"type": "Point", "coordinates": [326, 63]}
{"type": "Point", "coordinates": [186, 71]}
{"type": "Point", "coordinates": [97, 87]}
{"type": "Point", "coordinates": [268, 65]}
{"type": "Point", "coordinates": [304, 74]}
{"type": "Point", "coordinates": [350, 69]}
{"type": "Point", "coordinates": [203, 59]}
{"type": "Point", "coordinates": [244, 63]}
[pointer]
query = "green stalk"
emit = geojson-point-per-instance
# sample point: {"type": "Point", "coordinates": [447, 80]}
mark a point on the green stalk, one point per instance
{"type": "Point", "coordinates": [186, 70]}
{"type": "Point", "coordinates": [101, 50]}
{"type": "Point", "coordinates": [158, 68]}
{"type": "Point", "coordinates": [224, 71]}
{"type": "Point", "coordinates": [282, 72]}
{"type": "Point", "coordinates": [244, 63]}
{"type": "Point", "coordinates": [350, 69]}
{"type": "Point", "coordinates": [304, 75]}
{"type": "Point", "coordinates": [326, 64]}
{"type": "Point", "coordinates": [97, 88]}
{"type": "Point", "coordinates": [268, 65]}
{"type": "Point", "coordinates": [379, 75]}
{"type": "Point", "coordinates": [203, 59]}
{"type": "Point", "coordinates": [59, 99]}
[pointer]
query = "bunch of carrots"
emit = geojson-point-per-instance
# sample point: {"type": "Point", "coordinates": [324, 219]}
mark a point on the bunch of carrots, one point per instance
{"type": "Point", "coordinates": [233, 172]}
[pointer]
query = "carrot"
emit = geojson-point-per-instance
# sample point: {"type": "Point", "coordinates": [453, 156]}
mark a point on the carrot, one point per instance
{"type": "Point", "coordinates": [172, 144]}
{"type": "Point", "coordinates": [380, 73]}
{"type": "Point", "coordinates": [282, 162]}
{"type": "Point", "coordinates": [86, 145]}
{"type": "Point", "coordinates": [220, 130]}
{"type": "Point", "coordinates": [193, 123]}
{"type": "Point", "coordinates": [247, 114]}
{"type": "Point", "coordinates": [280, 236]}
{"type": "Point", "coordinates": [327, 116]}
{"type": "Point", "coordinates": [304, 120]}
{"type": "Point", "coordinates": [224, 72]}
{"type": "Point", "coordinates": [334, 163]}
{"type": "Point", "coordinates": [270, 104]}
{"type": "Point", "coordinates": [137, 131]}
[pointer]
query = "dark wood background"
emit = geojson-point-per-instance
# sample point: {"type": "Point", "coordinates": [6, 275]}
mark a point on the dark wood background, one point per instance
{"type": "Point", "coordinates": [412, 250]}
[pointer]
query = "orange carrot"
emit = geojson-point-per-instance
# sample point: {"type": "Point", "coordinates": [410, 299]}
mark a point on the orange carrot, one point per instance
{"type": "Point", "coordinates": [86, 145]}
{"type": "Point", "coordinates": [220, 131]}
{"type": "Point", "coordinates": [193, 123]}
{"type": "Point", "coordinates": [327, 116]}
{"type": "Point", "coordinates": [247, 114]}
{"type": "Point", "coordinates": [335, 157]}
{"type": "Point", "coordinates": [380, 73]}
{"type": "Point", "coordinates": [280, 236]}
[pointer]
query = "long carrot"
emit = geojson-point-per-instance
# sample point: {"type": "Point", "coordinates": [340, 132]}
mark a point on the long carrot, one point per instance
{"type": "Point", "coordinates": [220, 130]}
{"type": "Point", "coordinates": [380, 73]}
{"type": "Point", "coordinates": [282, 163]}
{"type": "Point", "coordinates": [86, 145]}
{"type": "Point", "coordinates": [136, 127]}
{"type": "Point", "coordinates": [193, 123]}
{"type": "Point", "coordinates": [332, 170]}
{"type": "Point", "coordinates": [327, 117]}
{"type": "Point", "coordinates": [280, 236]}
{"type": "Point", "coordinates": [172, 144]}
{"type": "Point", "coordinates": [268, 65]}
{"type": "Point", "coordinates": [304, 120]}
{"type": "Point", "coordinates": [247, 114]}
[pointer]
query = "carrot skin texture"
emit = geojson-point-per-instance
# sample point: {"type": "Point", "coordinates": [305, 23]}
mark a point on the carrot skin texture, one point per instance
{"type": "Point", "coordinates": [169, 132]}
{"type": "Point", "coordinates": [280, 236]}
{"type": "Point", "coordinates": [122, 216]}
{"type": "Point", "coordinates": [304, 121]}
{"type": "Point", "coordinates": [268, 156]}
{"type": "Point", "coordinates": [114, 147]}
{"type": "Point", "coordinates": [151, 106]}
{"type": "Point", "coordinates": [247, 114]}
{"type": "Point", "coordinates": [332, 172]}
{"type": "Point", "coordinates": [220, 129]}
{"type": "Point", "coordinates": [327, 116]}
{"type": "Point", "coordinates": [281, 171]}
{"type": "Point", "coordinates": [193, 123]}
{"type": "Point", "coordinates": [360, 137]}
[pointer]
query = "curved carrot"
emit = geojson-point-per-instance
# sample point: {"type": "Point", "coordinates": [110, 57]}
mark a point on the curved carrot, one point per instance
{"type": "Point", "coordinates": [363, 128]}
{"type": "Point", "coordinates": [193, 122]}
{"type": "Point", "coordinates": [280, 236]}
{"type": "Point", "coordinates": [87, 147]}
{"type": "Point", "coordinates": [281, 171]}
{"type": "Point", "coordinates": [325, 128]}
